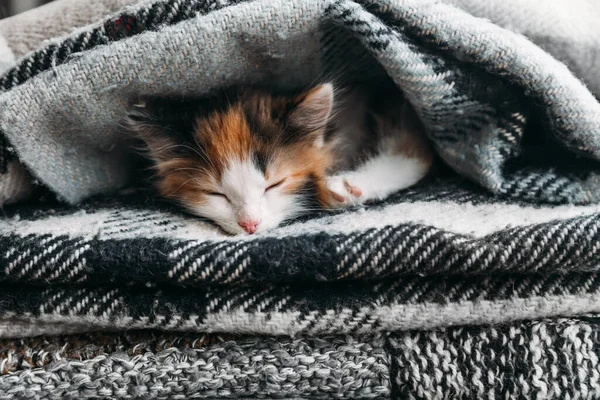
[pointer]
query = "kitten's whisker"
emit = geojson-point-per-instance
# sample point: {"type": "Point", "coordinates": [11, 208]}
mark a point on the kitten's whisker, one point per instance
{"type": "Point", "coordinates": [180, 186]}
{"type": "Point", "coordinates": [205, 155]}
{"type": "Point", "coordinates": [172, 146]}
{"type": "Point", "coordinates": [198, 170]}
{"type": "Point", "coordinates": [217, 149]}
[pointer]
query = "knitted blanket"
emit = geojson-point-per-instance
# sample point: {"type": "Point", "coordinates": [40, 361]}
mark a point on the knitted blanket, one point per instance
{"type": "Point", "coordinates": [479, 282]}
{"type": "Point", "coordinates": [543, 359]}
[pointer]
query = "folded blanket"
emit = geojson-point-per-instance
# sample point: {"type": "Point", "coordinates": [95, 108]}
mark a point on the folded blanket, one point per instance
{"type": "Point", "coordinates": [27, 31]}
{"type": "Point", "coordinates": [434, 256]}
{"type": "Point", "coordinates": [458, 286]}
{"type": "Point", "coordinates": [567, 30]}
{"type": "Point", "coordinates": [22, 34]}
{"type": "Point", "coordinates": [544, 359]}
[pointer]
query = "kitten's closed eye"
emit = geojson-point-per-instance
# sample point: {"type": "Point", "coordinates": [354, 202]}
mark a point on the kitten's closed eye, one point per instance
{"type": "Point", "coordinates": [275, 185]}
{"type": "Point", "coordinates": [218, 194]}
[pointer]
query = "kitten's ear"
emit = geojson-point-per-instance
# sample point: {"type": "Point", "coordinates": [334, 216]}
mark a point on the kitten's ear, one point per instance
{"type": "Point", "coordinates": [313, 108]}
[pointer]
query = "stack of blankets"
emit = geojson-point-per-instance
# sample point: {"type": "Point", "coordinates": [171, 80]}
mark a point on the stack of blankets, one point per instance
{"type": "Point", "coordinates": [481, 282]}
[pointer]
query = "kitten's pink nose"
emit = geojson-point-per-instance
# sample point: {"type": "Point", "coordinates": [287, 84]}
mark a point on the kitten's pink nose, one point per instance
{"type": "Point", "coordinates": [249, 226]}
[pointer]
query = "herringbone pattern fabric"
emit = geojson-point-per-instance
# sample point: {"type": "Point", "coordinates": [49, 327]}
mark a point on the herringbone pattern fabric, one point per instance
{"type": "Point", "coordinates": [115, 28]}
{"type": "Point", "coordinates": [439, 254]}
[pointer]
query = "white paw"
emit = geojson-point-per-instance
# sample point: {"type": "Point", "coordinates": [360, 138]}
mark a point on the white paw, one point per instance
{"type": "Point", "coordinates": [344, 190]}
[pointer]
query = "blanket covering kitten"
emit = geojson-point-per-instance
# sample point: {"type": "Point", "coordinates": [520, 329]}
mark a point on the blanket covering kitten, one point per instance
{"type": "Point", "coordinates": [250, 159]}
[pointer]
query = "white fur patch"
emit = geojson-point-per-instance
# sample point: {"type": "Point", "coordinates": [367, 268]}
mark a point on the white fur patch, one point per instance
{"type": "Point", "coordinates": [379, 177]}
{"type": "Point", "coordinates": [244, 186]}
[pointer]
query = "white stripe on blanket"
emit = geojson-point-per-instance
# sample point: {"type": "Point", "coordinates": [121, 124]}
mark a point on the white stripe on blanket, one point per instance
{"type": "Point", "coordinates": [464, 218]}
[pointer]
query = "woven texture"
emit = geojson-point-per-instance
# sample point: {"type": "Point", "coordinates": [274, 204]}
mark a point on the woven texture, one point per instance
{"type": "Point", "coordinates": [22, 34]}
{"type": "Point", "coordinates": [27, 31]}
{"type": "Point", "coordinates": [475, 86]}
{"type": "Point", "coordinates": [568, 31]}
{"type": "Point", "coordinates": [15, 182]}
{"type": "Point", "coordinates": [438, 255]}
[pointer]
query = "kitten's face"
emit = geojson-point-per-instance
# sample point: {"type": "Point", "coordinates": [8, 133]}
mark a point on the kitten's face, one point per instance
{"type": "Point", "coordinates": [248, 165]}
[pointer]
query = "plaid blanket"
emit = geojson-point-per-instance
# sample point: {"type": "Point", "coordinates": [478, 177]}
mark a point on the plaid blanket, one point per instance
{"type": "Point", "coordinates": [431, 257]}
{"type": "Point", "coordinates": [479, 282]}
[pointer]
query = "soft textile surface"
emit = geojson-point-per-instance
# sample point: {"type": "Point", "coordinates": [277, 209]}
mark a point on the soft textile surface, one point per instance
{"type": "Point", "coordinates": [27, 31]}
{"type": "Point", "coordinates": [24, 33]}
{"type": "Point", "coordinates": [550, 359]}
{"type": "Point", "coordinates": [456, 287]}
{"type": "Point", "coordinates": [569, 30]}
{"type": "Point", "coordinates": [439, 255]}
{"type": "Point", "coordinates": [476, 86]}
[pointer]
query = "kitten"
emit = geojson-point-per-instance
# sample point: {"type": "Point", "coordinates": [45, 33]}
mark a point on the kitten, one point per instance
{"type": "Point", "coordinates": [251, 159]}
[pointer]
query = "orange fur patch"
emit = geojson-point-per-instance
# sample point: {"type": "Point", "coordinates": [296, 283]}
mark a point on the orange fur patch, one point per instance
{"type": "Point", "coordinates": [223, 136]}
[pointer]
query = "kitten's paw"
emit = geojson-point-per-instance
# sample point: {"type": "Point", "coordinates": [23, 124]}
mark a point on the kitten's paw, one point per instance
{"type": "Point", "coordinates": [344, 191]}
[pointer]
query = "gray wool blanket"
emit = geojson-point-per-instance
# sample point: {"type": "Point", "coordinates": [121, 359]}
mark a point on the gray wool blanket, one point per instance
{"type": "Point", "coordinates": [475, 85]}
{"type": "Point", "coordinates": [482, 281]}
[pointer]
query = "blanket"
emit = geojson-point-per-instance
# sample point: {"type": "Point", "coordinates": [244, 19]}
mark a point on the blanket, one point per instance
{"type": "Point", "coordinates": [431, 257]}
{"type": "Point", "coordinates": [23, 34]}
{"type": "Point", "coordinates": [475, 85]}
{"type": "Point", "coordinates": [542, 359]}
{"type": "Point", "coordinates": [480, 281]}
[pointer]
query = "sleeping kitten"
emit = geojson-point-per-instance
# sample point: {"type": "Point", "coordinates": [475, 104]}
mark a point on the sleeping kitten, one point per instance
{"type": "Point", "coordinates": [250, 159]}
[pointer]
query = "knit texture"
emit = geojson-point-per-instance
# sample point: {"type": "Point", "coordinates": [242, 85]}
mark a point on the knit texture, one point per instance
{"type": "Point", "coordinates": [549, 359]}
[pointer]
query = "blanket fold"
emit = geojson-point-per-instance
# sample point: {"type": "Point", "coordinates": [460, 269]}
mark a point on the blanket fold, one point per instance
{"type": "Point", "coordinates": [407, 263]}
{"type": "Point", "coordinates": [440, 228]}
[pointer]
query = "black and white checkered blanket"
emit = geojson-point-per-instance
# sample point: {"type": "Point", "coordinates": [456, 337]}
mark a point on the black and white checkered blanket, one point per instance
{"type": "Point", "coordinates": [480, 283]}
{"type": "Point", "coordinates": [438, 255]}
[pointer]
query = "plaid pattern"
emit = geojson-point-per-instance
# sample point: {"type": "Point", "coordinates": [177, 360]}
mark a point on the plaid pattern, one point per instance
{"type": "Point", "coordinates": [150, 18]}
{"type": "Point", "coordinates": [114, 28]}
{"type": "Point", "coordinates": [474, 117]}
{"type": "Point", "coordinates": [65, 268]}
{"type": "Point", "coordinates": [442, 290]}
{"type": "Point", "coordinates": [173, 249]}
